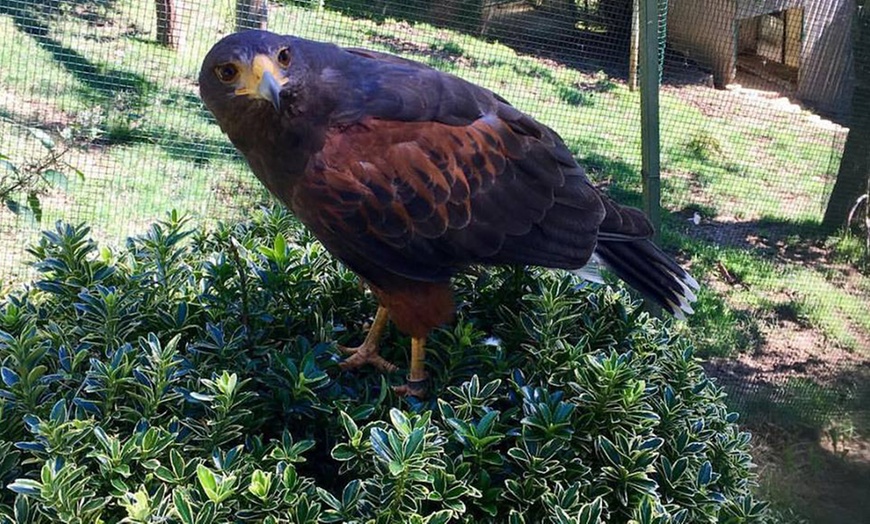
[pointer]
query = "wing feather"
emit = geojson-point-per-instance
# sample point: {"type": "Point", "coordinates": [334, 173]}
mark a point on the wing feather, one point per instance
{"type": "Point", "coordinates": [422, 199]}
{"type": "Point", "coordinates": [422, 173]}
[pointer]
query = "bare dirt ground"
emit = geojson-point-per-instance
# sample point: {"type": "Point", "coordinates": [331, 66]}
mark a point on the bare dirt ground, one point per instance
{"type": "Point", "coordinates": [823, 472]}
{"type": "Point", "coordinates": [825, 483]}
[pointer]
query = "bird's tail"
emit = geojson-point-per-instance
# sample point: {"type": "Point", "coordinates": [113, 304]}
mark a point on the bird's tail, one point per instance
{"type": "Point", "coordinates": [646, 268]}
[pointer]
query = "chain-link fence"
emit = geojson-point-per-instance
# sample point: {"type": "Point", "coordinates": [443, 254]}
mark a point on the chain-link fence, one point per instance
{"type": "Point", "coordinates": [764, 113]}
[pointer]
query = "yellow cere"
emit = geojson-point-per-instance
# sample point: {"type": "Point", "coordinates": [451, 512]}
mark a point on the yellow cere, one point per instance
{"type": "Point", "coordinates": [251, 76]}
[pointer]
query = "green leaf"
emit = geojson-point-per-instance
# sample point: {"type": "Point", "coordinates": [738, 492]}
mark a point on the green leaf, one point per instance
{"type": "Point", "coordinates": [35, 205]}
{"type": "Point", "coordinates": [400, 421]}
{"type": "Point", "coordinates": [206, 513]}
{"type": "Point", "coordinates": [103, 438]}
{"type": "Point", "coordinates": [56, 179]}
{"type": "Point", "coordinates": [261, 483]}
{"type": "Point", "coordinates": [350, 427]}
{"type": "Point", "coordinates": [206, 479]}
{"type": "Point", "coordinates": [591, 513]}
{"type": "Point", "coordinates": [439, 517]}
{"type": "Point", "coordinates": [177, 461]}
{"type": "Point", "coordinates": [26, 487]}
{"type": "Point", "coordinates": [613, 456]}
{"type": "Point", "coordinates": [290, 478]}
{"type": "Point", "coordinates": [343, 452]}
{"type": "Point", "coordinates": [138, 505]}
{"type": "Point", "coordinates": [413, 443]}
{"type": "Point", "coordinates": [329, 499]}
{"type": "Point", "coordinates": [182, 506]}
{"type": "Point", "coordinates": [58, 412]}
{"type": "Point", "coordinates": [486, 422]}
{"type": "Point", "coordinates": [396, 468]}
{"type": "Point", "coordinates": [164, 474]}
{"type": "Point", "coordinates": [7, 165]}
{"type": "Point", "coordinates": [280, 247]}
{"type": "Point", "coordinates": [705, 474]}
{"type": "Point", "coordinates": [351, 493]}
{"type": "Point", "coordinates": [515, 517]}
{"type": "Point", "coordinates": [42, 136]}
{"type": "Point", "coordinates": [119, 486]}
{"type": "Point", "coordinates": [151, 464]}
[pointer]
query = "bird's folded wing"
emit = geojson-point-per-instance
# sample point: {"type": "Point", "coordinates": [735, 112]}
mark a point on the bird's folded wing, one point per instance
{"type": "Point", "coordinates": [422, 173]}
{"type": "Point", "coordinates": [419, 199]}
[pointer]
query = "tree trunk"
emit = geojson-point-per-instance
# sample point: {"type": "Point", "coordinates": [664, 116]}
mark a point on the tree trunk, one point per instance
{"type": "Point", "coordinates": [854, 173]}
{"type": "Point", "coordinates": [166, 29]}
{"type": "Point", "coordinates": [251, 14]}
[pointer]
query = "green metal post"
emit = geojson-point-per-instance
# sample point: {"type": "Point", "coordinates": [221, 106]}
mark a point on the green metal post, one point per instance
{"type": "Point", "coordinates": [649, 111]}
{"type": "Point", "coordinates": [649, 79]}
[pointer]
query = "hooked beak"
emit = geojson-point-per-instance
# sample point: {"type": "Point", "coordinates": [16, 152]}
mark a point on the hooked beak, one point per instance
{"type": "Point", "coordinates": [263, 80]}
{"type": "Point", "coordinates": [270, 89]}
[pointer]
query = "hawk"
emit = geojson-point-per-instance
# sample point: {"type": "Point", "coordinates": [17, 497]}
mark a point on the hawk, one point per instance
{"type": "Point", "coordinates": [408, 175]}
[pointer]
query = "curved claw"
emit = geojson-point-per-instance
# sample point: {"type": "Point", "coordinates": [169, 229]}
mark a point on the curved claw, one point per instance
{"type": "Point", "coordinates": [365, 354]}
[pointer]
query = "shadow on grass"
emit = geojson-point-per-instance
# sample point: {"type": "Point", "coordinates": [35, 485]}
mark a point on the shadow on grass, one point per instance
{"type": "Point", "coordinates": [774, 238]}
{"type": "Point", "coordinates": [448, 55]}
{"type": "Point", "coordinates": [197, 149]}
{"type": "Point", "coordinates": [190, 147]}
{"type": "Point", "coordinates": [804, 401]}
{"type": "Point", "coordinates": [104, 82]}
{"type": "Point", "coordinates": [618, 178]}
{"type": "Point", "coordinates": [790, 396]}
{"type": "Point", "coordinates": [186, 144]}
{"type": "Point", "coordinates": [793, 424]}
{"type": "Point", "coordinates": [531, 31]}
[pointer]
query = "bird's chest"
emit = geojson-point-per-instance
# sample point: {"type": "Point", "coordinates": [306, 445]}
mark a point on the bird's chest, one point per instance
{"type": "Point", "coordinates": [278, 169]}
{"type": "Point", "coordinates": [273, 177]}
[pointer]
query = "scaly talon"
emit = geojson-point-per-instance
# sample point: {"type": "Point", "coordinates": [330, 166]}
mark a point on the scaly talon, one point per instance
{"type": "Point", "coordinates": [367, 352]}
{"type": "Point", "coordinates": [417, 384]}
{"type": "Point", "coordinates": [346, 350]}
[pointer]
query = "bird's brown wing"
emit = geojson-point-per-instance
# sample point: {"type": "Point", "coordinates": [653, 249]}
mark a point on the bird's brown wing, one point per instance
{"type": "Point", "coordinates": [420, 199]}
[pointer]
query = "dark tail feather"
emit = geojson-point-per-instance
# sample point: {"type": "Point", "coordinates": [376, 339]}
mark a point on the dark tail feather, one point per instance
{"type": "Point", "coordinates": [646, 268]}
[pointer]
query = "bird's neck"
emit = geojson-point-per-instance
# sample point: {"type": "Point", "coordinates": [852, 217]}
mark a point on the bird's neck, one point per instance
{"type": "Point", "coordinates": [278, 149]}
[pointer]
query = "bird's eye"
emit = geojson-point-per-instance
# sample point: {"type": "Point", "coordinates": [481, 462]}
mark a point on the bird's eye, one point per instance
{"type": "Point", "coordinates": [226, 72]}
{"type": "Point", "coordinates": [284, 57]}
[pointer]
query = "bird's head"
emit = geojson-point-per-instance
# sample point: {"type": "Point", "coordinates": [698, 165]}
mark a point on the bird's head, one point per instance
{"type": "Point", "coordinates": [246, 73]}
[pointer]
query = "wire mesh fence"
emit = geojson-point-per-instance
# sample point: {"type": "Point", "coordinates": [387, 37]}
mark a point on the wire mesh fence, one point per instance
{"type": "Point", "coordinates": [764, 115]}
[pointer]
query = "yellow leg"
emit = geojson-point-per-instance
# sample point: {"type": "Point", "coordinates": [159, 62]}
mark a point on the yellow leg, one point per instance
{"type": "Point", "coordinates": [416, 385]}
{"type": "Point", "coordinates": [418, 360]}
{"type": "Point", "coordinates": [367, 352]}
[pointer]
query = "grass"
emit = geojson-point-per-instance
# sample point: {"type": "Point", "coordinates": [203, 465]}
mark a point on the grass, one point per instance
{"type": "Point", "coordinates": [133, 113]}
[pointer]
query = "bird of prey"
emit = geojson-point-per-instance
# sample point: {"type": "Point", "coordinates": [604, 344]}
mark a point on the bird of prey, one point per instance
{"type": "Point", "coordinates": [408, 175]}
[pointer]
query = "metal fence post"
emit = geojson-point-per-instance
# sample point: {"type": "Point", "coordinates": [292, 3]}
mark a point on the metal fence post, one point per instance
{"type": "Point", "coordinates": [649, 111]}
{"type": "Point", "coordinates": [649, 79]}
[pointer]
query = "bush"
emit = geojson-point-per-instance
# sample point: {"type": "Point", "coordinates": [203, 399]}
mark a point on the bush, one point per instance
{"type": "Point", "coordinates": [191, 377]}
{"type": "Point", "coordinates": [704, 146]}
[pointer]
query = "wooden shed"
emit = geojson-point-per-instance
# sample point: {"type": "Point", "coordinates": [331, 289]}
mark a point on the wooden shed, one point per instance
{"type": "Point", "coordinates": [806, 44]}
